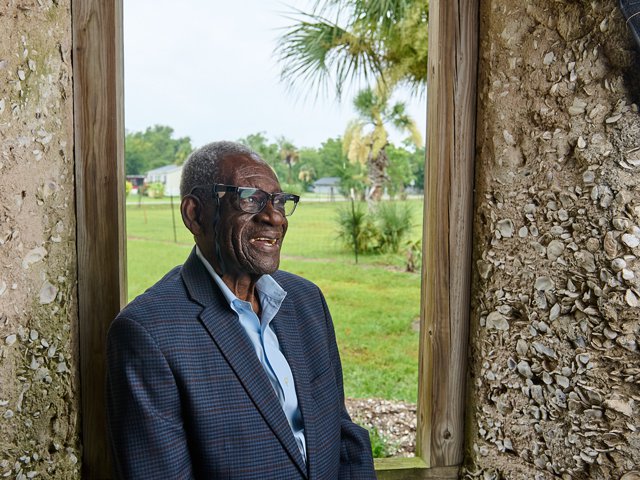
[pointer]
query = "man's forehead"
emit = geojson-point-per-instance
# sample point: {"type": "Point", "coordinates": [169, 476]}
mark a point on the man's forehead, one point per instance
{"type": "Point", "coordinates": [238, 166]}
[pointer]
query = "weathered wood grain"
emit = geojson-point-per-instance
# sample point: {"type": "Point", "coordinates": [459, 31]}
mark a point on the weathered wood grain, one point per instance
{"type": "Point", "coordinates": [411, 469]}
{"type": "Point", "coordinates": [447, 230]}
{"type": "Point", "coordinates": [99, 156]}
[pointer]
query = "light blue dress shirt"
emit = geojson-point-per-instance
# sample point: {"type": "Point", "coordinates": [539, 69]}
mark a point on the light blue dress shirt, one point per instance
{"type": "Point", "coordinates": [265, 344]}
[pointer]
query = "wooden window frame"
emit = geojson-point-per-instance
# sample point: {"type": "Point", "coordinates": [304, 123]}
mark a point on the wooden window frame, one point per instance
{"type": "Point", "coordinates": [97, 29]}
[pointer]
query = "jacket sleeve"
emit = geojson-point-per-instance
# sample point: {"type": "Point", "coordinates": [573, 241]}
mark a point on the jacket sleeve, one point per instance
{"type": "Point", "coordinates": [145, 428]}
{"type": "Point", "coordinates": [356, 460]}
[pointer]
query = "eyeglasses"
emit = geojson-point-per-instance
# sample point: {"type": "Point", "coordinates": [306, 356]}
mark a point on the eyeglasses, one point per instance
{"type": "Point", "coordinates": [253, 200]}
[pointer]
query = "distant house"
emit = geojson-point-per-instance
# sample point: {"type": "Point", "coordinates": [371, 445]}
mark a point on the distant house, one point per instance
{"type": "Point", "coordinates": [327, 186]}
{"type": "Point", "coordinates": [169, 176]}
{"type": "Point", "coordinates": [136, 182]}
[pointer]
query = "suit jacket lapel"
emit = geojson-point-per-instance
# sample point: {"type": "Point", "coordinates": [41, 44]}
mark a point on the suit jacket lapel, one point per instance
{"type": "Point", "coordinates": [287, 327]}
{"type": "Point", "coordinates": [226, 331]}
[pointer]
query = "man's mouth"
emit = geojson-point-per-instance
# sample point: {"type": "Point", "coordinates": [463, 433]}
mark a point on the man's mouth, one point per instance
{"type": "Point", "coordinates": [264, 240]}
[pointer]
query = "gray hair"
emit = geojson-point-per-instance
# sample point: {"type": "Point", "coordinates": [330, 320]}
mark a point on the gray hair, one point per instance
{"type": "Point", "coordinates": [202, 166]}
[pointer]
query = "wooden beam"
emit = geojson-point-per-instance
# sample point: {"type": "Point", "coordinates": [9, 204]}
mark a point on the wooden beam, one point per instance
{"type": "Point", "coordinates": [99, 156]}
{"type": "Point", "coordinates": [448, 216]}
{"type": "Point", "coordinates": [399, 468]}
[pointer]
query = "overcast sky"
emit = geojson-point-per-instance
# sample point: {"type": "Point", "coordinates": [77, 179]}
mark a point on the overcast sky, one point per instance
{"type": "Point", "coordinates": [207, 68]}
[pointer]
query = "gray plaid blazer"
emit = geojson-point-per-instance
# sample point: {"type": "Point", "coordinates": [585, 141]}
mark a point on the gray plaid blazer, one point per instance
{"type": "Point", "coordinates": [187, 397]}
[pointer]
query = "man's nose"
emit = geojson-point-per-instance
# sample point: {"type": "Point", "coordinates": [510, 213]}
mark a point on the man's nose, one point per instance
{"type": "Point", "coordinates": [272, 215]}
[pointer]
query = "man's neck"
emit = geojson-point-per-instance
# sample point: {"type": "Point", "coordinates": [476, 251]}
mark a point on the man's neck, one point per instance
{"type": "Point", "coordinates": [243, 287]}
{"type": "Point", "coordinates": [241, 284]}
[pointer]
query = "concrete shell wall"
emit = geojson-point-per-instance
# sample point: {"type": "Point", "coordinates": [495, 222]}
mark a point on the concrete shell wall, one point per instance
{"type": "Point", "coordinates": [39, 421]}
{"type": "Point", "coordinates": [555, 364]}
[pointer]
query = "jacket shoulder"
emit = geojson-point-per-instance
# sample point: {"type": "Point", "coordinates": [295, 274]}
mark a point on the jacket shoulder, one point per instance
{"type": "Point", "coordinates": [166, 291]}
{"type": "Point", "coordinates": [294, 284]}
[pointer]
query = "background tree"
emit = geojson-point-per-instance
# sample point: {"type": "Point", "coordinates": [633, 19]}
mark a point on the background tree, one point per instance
{"type": "Point", "coordinates": [310, 167]}
{"type": "Point", "coordinates": [382, 42]}
{"type": "Point", "coordinates": [331, 158]}
{"type": "Point", "coordinates": [269, 151]}
{"type": "Point", "coordinates": [366, 137]}
{"type": "Point", "coordinates": [383, 39]}
{"type": "Point", "coordinates": [153, 148]}
{"type": "Point", "coordinates": [289, 156]}
{"type": "Point", "coordinates": [400, 170]}
{"type": "Point", "coordinates": [417, 167]}
{"type": "Point", "coordinates": [306, 176]}
{"type": "Point", "coordinates": [331, 161]}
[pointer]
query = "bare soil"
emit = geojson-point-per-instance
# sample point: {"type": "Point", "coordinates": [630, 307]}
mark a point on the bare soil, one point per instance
{"type": "Point", "coordinates": [394, 421]}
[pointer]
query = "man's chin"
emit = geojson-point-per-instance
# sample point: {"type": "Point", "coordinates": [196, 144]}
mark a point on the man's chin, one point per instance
{"type": "Point", "coordinates": [270, 270]}
{"type": "Point", "coordinates": [264, 268]}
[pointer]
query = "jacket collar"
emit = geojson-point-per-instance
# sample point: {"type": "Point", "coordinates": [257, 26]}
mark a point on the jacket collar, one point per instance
{"type": "Point", "coordinates": [227, 333]}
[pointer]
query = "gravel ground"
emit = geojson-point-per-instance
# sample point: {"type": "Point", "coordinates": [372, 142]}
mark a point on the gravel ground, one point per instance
{"type": "Point", "coordinates": [395, 422]}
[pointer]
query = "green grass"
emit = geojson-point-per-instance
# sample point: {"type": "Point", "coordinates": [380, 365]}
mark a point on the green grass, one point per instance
{"type": "Point", "coordinates": [374, 304]}
{"type": "Point", "coordinates": [148, 261]}
{"type": "Point", "coordinates": [313, 233]}
{"type": "Point", "coordinates": [379, 444]}
{"type": "Point", "coordinates": [135, 199]}
{"type": "Point", "coordinates": [373, 310]}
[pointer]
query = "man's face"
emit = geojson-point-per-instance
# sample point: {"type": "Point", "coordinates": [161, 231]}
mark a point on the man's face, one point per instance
{"type": "Point", "coordinates": [249, 243]}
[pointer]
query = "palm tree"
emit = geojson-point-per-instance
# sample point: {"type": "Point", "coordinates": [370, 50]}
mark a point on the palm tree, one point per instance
{"type": "Point", "coordinates": [366, 137]}
{"type": "Point", "coordinates": [383, 39]}
{"type": "Point", "coordinates": [289, 155]}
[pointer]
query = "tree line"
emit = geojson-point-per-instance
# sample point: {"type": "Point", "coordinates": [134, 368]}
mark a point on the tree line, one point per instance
{"type": "Point", "coordinates": [297, 168]}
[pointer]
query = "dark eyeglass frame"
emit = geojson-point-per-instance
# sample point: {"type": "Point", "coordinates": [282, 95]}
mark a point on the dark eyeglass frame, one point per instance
{"type": "Point", "coordinates": [245, 193]}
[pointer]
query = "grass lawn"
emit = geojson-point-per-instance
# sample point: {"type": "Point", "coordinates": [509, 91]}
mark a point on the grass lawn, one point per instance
{"type": "Point", "coordinates": [375, 305]}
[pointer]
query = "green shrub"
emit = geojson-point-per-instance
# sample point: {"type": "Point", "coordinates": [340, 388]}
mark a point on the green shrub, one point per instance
{"type": "Point", "coordinates": [383, 230]}
{"type": "Point", "coordinates": [379, 446]}
{"type": "Point", "coordinates": [356, 228]}
{"type": "Point", "coordinates": [414, 255]}
{"type": "Point", "coordinates": [155, 190]}
{"type": "Point", "coordinates": [128, 186]}
{"type": "Point", "coordinates": [394, 225]}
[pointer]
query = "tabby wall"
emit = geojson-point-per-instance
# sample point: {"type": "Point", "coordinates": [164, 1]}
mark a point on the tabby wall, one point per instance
{"type": "Point", "coordinates": [555, 365]}
{"type": "Point", "coordinates": [39, 420]}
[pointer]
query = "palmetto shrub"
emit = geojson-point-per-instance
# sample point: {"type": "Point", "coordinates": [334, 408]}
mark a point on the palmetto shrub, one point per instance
{"type": "Point", "coordinates": [356, 228]}
{"type": "Point", "coordinates": [394, 224]}
{"type": "Point", "coordinates": [381, 230]}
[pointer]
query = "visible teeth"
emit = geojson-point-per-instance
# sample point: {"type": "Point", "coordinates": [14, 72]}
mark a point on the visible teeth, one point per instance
{"type": "Point", "coordinates": [271, 241]}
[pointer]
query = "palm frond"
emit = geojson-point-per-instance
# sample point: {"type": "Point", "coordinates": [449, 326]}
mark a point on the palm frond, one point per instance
{"type": "Point", "coordinates": [354, 143]}
{"type": "Point", "coordinates": [364, 103]}
{"type": "Point", "coordinates": [351, 133]}
{"type": "Point", "coordinates": [315, 49]}
{"type": "Point", "coordinates": [401, 120]}
{"type": "Point", "coordinates": [379, 137]}
{"type": "Point", "coordinates": [416, 135]}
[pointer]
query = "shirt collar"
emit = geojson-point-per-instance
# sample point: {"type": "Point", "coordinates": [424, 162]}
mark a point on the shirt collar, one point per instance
{"type": "Point", "coordinates": [270, 291]}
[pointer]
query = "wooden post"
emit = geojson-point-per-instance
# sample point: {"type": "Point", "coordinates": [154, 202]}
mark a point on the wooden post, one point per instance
{"type": "Point", "coordinates": [99, 156]}
{"type": "Point", "coordinates": [448, 215]}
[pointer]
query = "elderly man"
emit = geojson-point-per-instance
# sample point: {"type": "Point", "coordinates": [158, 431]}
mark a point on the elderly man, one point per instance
{"type": "Point", "coordinates": [228, 367]}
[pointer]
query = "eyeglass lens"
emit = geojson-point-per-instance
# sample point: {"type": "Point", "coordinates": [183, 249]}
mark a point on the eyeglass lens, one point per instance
{"type": "Point", "coordinates": [253, 200]}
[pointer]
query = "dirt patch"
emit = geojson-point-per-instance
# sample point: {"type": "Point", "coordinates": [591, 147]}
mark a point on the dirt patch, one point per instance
{"type": "Point", "coordinates": [394, 421]}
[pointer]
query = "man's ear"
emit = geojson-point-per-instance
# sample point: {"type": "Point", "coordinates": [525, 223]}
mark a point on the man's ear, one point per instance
{"type": "Point", "coordinates": [191, 209]}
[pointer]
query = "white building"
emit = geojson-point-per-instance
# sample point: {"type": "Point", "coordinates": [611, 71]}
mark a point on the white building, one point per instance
{"type": "Point", "coordinates": [169, 176]}
{"type": "Point", "coordinates": [327, 186]}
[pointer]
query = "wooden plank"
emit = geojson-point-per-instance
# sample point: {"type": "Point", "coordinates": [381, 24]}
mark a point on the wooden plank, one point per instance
{"type": "Point", "coordinates": [447, 232]}
{"type": "Point", "coordinates": [399, 463]}
{"type": "Point", "coordinates": [411, 469]}
{"type": "Point", "coordinates": [99, 152]}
